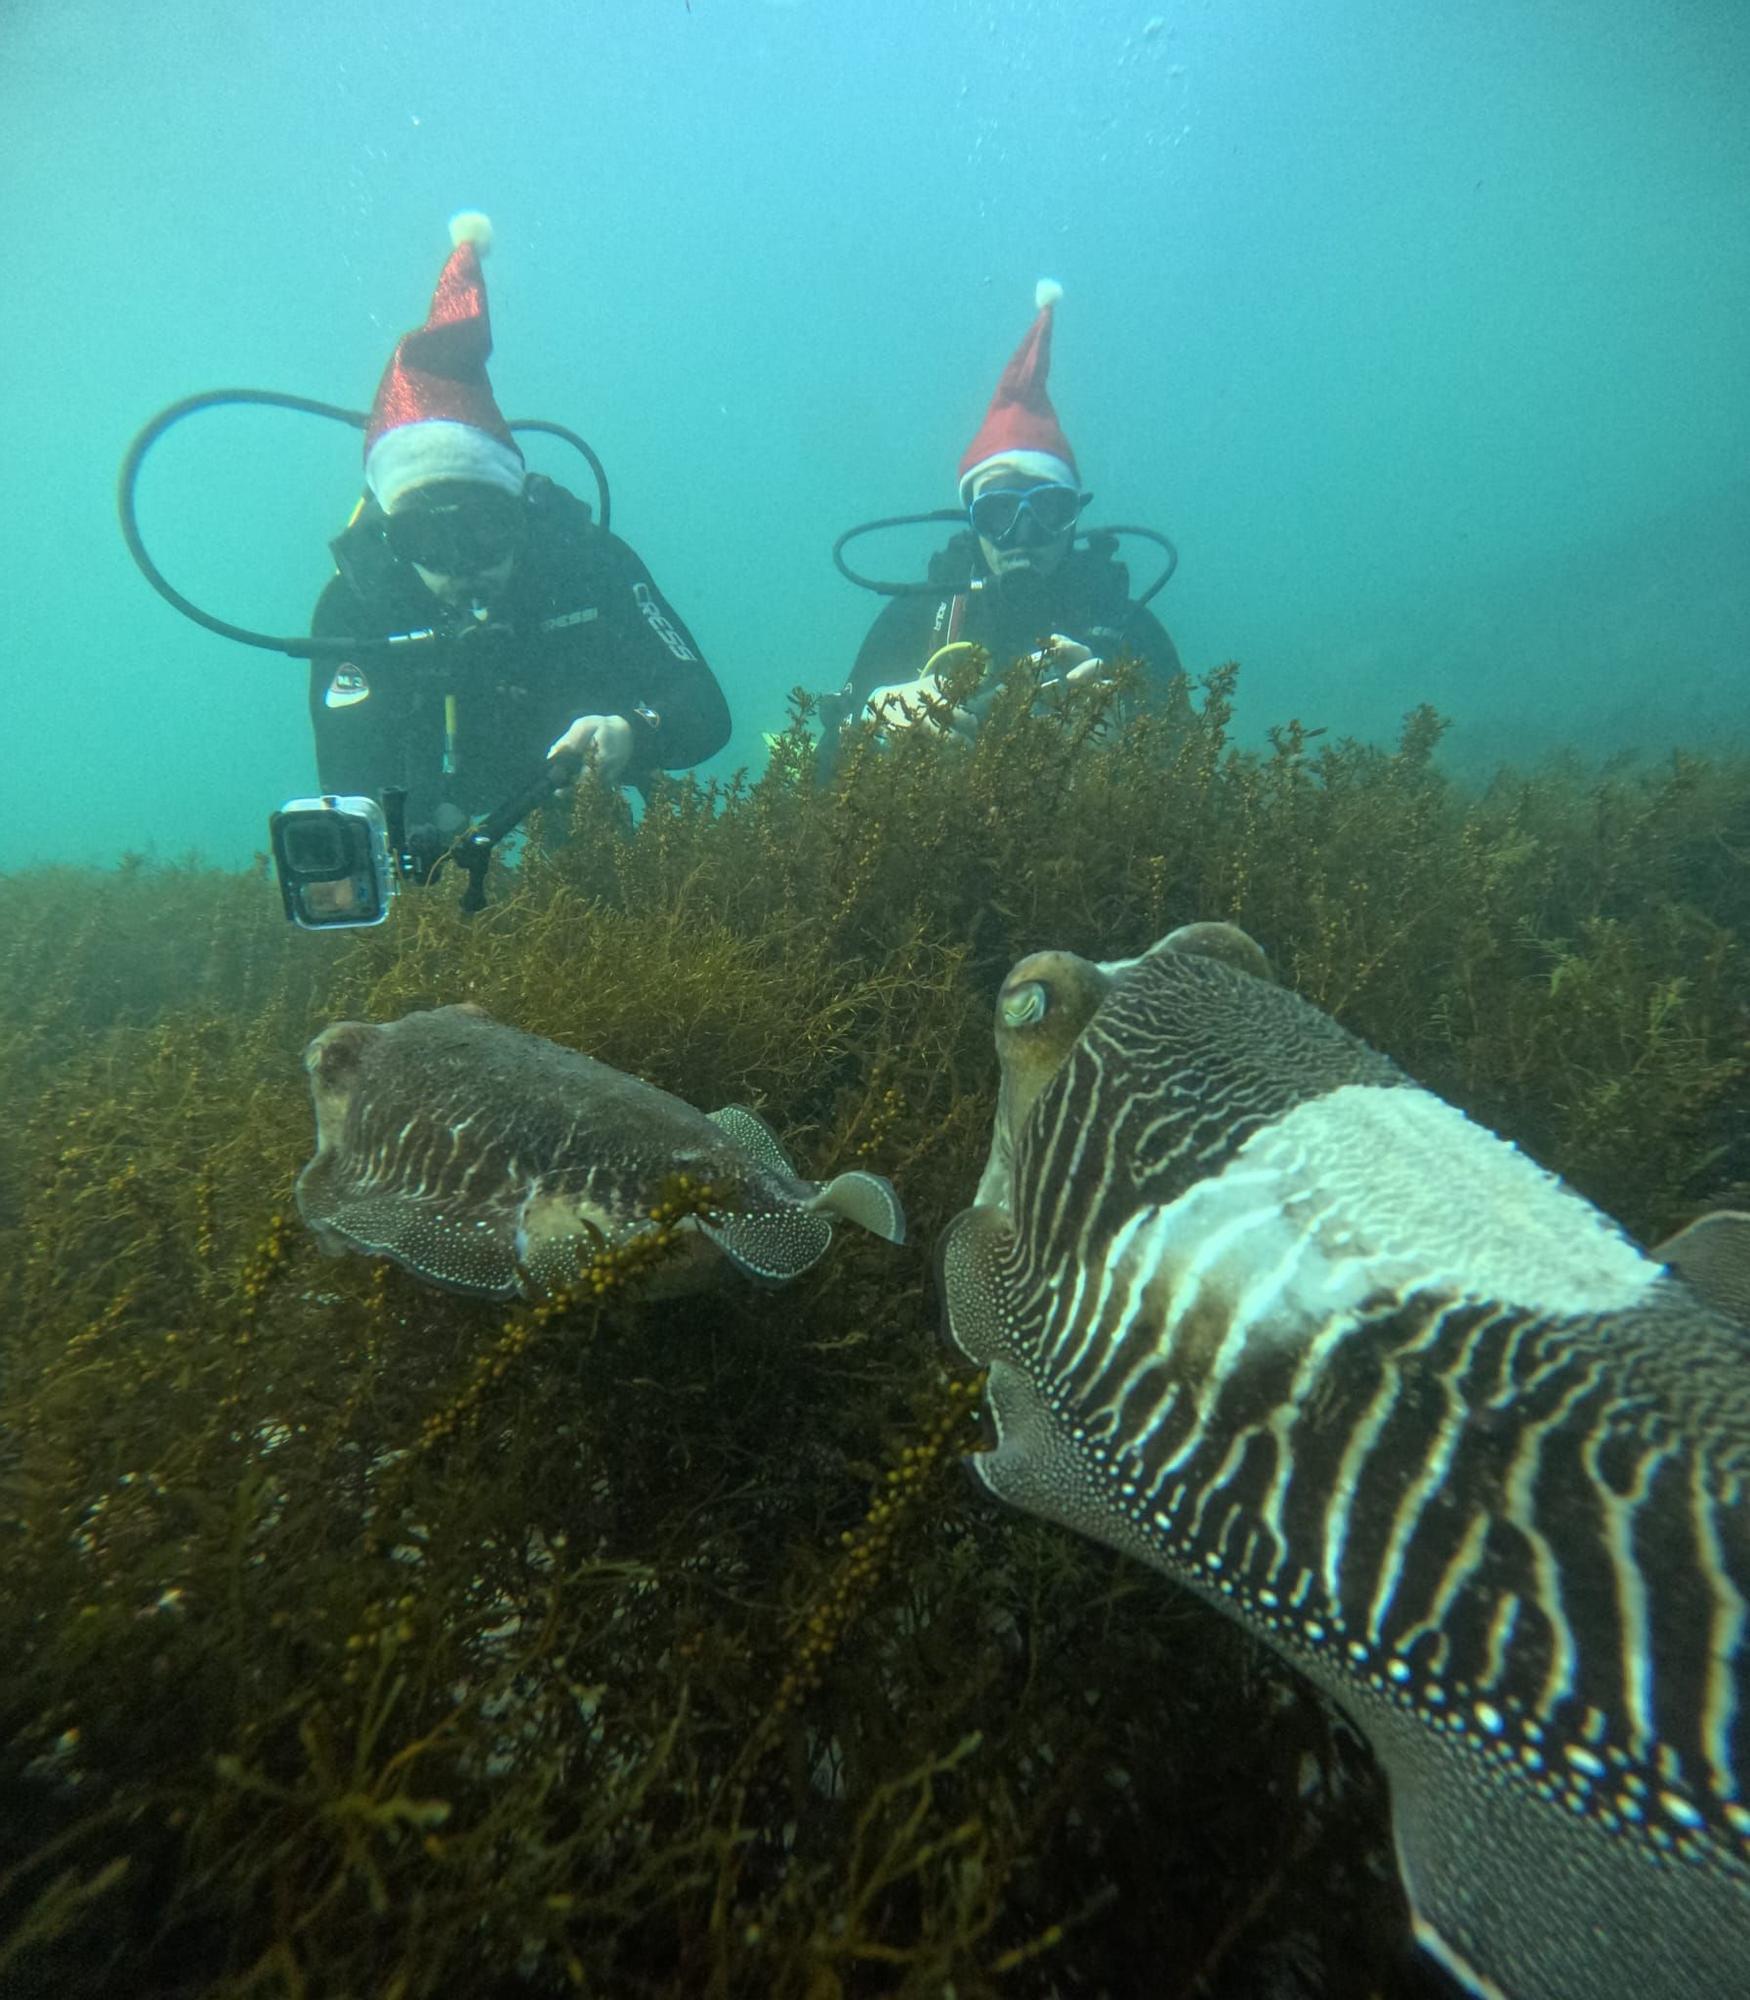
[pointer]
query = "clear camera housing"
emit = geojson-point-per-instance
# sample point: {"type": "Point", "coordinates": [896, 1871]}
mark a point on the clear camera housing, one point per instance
{"type": "Point", "coordinates": [331, 858]}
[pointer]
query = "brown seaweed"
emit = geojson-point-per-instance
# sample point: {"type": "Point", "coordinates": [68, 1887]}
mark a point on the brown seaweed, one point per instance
{"type": "Point", "coordinates": [365, 1640]}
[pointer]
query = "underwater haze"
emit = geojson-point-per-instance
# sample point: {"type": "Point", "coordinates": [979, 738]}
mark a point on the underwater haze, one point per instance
{"type": "Point", "coordinates": [411, 1584]}
{"type": "Point", "coordinates": [1421, 331]}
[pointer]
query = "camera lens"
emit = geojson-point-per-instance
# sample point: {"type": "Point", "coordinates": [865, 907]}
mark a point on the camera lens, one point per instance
{"type": "Point", "coordinates": [315, 846]}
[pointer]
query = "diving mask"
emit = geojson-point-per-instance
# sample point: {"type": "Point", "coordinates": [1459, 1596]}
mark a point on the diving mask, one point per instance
{"type": "Point", "coordinates": [459, 538]}
{"type": "Point", "coordinates": [1051, 507]}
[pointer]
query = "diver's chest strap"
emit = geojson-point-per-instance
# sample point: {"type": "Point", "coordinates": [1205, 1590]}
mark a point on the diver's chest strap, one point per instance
{"type": "Point", "coordinates": [950, 619]}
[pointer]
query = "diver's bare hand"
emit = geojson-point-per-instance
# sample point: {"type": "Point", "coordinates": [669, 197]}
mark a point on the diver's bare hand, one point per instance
{"type": "Point", "coordinates": [1065, 663]}
{"type": "Point", "coordinates": [1068, 660]}
{"type": "Point", "coordinates": [604, 742]}
{"type": "Point", "coordinates": [917, 704]}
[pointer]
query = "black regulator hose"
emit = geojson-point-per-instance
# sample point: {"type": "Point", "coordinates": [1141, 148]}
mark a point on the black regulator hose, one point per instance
{"type": "Point", "coordinates": [604, 503]}
{"type": "Point", "coordinates": [958, 517]}
{"type": "Point", "coordinates": [299, 647]}
{"type": "Point", "coordinates": [1154, 535]}
{"type": "Point", "coordinates": [943, 514]}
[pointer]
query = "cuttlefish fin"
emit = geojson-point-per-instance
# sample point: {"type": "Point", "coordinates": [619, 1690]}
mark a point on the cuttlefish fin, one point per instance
{"type": "Point", "coordinates": [770, 1243]}
{"type": "Point", "coordinates": [753, 1135]}
{"type": "Point", "coordinates": [970, 1282]}
{"type": "Point", "coordinates": [1713, 1255]}
{"type": "Point", "coordinates": [778, 1242]}
{"type": "Point", "coordinates": [476, 1254]}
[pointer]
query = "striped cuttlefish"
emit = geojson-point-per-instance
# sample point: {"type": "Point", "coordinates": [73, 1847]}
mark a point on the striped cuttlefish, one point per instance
{"type": "Point", "coordinates": [1260, 1311]}
{"type": "Point", "coordinates": [495, 1162]}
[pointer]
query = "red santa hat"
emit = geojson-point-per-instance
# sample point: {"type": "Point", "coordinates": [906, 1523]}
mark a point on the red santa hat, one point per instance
{"type": "Point", "coordinates": [1021, 427]}
{"type": "Point", "coordinates": [435, 417]}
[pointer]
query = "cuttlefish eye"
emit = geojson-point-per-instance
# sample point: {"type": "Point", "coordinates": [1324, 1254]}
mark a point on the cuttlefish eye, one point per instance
{"type": "Point", "coordinates": [1026, 1004]}
{"type": "Point", "coordinates": [1042, 1007]}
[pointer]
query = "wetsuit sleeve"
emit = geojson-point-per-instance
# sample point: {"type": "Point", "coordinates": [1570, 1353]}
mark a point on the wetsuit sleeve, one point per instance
{"type": "Point", "coordinates": [895, 648]}
{"type": "Point", "coordinates": [659, 668]}
{"type": "Point", "coordinates": [356, 751]}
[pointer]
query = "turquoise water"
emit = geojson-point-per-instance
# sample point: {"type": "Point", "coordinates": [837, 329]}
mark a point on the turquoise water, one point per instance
{"type": "Point", "coordinates": [1423, 335]}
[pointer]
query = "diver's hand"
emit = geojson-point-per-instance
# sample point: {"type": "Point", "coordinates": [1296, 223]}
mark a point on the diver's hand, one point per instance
{"type": "Point", "coordinates": [604, 742]}
{"type": "Point", "coordinates": [917, 704]}
{"type": "Point", "coordinates": [923, 702]}
{"type": "Point", "coordinates": [1068, 659]}
{"type": "Point", "coordinates": [1068, 663]}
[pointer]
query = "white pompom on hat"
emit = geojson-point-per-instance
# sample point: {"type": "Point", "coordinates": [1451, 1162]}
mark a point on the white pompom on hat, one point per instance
{"type": "Point", "coordinates": [435, 417]}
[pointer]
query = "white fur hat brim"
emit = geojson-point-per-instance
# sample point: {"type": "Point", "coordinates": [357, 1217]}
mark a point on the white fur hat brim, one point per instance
{"type": "Point", "coordinates": [1030, 465]}
{"type": "Point", "coordinates": [434, 449]}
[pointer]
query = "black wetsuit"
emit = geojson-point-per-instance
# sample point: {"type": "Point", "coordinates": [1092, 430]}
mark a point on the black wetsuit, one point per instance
{"type": "Point", "coordinates": [580, 629]}
{"type": "Point", "coordinates": [1087, 598]}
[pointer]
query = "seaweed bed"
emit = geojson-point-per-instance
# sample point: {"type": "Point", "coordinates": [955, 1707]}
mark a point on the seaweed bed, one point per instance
{"type": "Point", "coordinates": [359, 1639]}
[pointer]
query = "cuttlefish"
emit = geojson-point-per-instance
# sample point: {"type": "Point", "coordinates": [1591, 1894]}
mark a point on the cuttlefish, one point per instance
{"type": "Point", "coordinates": [1262, 1312]}
{"type": "Point", "coordinates": [495, 1162]}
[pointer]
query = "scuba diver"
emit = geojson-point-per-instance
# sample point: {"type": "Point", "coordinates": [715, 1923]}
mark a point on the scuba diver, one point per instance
{"type": "Point", "coordinates": [484, 643]}
{"type": "Point", "coordinates": [560, 644]}
{"type": "Point", "coordinates": [1017, 581]}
